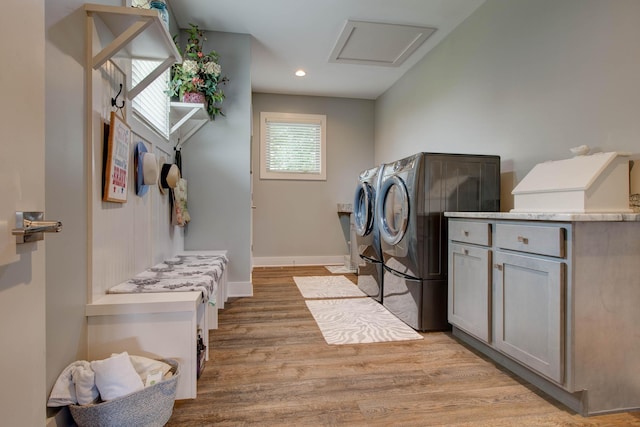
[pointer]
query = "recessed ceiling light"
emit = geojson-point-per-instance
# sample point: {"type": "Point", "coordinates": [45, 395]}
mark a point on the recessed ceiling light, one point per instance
{"type": "Point", "coordinates": [301, 73]}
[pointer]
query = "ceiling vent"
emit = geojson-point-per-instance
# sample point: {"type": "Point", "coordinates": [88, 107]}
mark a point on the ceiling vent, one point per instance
{"type": "Point", "coordinates": [373, 43]}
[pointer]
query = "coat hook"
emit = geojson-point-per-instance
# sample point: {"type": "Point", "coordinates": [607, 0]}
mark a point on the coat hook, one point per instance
{"type": "Point", "coordinates": [114, 100]}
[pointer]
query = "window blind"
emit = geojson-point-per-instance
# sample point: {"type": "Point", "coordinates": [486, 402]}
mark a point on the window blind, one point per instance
{"type": "Point", "coordinates": [293, 147]}
{"type": "Point", "coordinates": [152, 104]}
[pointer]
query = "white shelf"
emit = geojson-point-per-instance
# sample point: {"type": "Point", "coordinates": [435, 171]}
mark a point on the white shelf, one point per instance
{"type": "Point", "coordinates": [137, 33]}
{"type": "Point", "coordinates": [161, 302]}
{"type": "Point", "coordinates": [187, 119]}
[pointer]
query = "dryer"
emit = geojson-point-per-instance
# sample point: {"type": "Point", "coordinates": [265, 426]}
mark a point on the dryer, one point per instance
{"type": "Point", "coordinates": [367, 233]}
{"type": "Point", "coordinates": [413, 195]}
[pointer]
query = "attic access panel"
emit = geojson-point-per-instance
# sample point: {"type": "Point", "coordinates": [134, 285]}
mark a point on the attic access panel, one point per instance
{"type": "Point", "coordinates": [373, 43]}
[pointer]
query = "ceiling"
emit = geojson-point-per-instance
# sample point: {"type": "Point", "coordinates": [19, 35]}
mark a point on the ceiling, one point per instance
{"type": "Point", "coordinates": [292, 34]}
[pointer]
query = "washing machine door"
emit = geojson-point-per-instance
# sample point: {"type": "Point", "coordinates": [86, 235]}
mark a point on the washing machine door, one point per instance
{"type": "Point", "coordinates": [393, 210]}
{"type": "Point", "coordinates": [363, 213]}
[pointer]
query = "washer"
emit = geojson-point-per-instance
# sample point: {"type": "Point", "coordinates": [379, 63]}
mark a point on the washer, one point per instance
{"type": "Point", "coordinates": [370, 277]}
{"type": "Point", "coordinates": [413, 195]}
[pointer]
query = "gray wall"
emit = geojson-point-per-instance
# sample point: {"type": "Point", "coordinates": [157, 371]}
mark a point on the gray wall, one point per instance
{"type": "Point", "coordinates": [216, 164]}
{"type": "Point", "coordinates": [298, 220]}
{"type": "Point", "coordinates": [66, 186]}
{"type": "Point", "coordinates": [524, 79]}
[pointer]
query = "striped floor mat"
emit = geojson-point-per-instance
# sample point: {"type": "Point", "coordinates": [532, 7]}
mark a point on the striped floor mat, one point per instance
{"type": "Point", "coordinates": [339, 269]}
{"type": "Point", "coordinates": [358, 321]}
{"type": "Point", "coordinates": [327, 287]}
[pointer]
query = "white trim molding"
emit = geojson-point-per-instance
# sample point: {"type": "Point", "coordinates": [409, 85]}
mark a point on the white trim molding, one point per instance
{"type": "Point", "coordinates": [294, 261]}
{"type": "Point", "coordinates": [239, 289]}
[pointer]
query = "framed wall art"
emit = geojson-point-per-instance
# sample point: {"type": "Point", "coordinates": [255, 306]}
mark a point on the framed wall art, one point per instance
{"type": "Point", "coordinates": [116, 160]}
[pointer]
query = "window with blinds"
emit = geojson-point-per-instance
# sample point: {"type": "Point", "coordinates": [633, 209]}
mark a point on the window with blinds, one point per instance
{"type": "Point", "coordinates": [152, 104]}
{"type": "Point", "coordinates": [292, 146]}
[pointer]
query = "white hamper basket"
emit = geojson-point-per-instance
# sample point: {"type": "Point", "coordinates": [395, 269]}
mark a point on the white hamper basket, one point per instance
{"type": "Point", "coordinates": [149, 407]}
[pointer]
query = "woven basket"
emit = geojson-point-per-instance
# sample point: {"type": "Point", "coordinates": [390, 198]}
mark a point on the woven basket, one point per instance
{"type": "Point", "coordinates": [152, 406]}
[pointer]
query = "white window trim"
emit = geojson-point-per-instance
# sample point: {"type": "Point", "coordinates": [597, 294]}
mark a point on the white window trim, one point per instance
{"type": "Point", "coordinates": [293, 118]}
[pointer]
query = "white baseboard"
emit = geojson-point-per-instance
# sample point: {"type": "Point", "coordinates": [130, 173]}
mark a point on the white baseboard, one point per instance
{"type": "Point", "coordinates": [239, 289]}
{"type": "Point", "coordinates": [293, 261]}
{"type": "Point", "coordinates": [245, 289]}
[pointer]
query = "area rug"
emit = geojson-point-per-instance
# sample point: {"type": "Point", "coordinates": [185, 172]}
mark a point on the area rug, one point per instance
{"type": "Point", "coordinates": [327, 287]}
{"type": "Point", "coordinates": [339, 269]}
{"type": "Point", "coordinates": [358, 321]}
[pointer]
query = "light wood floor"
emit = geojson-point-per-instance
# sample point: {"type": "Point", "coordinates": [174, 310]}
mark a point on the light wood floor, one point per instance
{"type": "Point", "coordinates": [270, 366]}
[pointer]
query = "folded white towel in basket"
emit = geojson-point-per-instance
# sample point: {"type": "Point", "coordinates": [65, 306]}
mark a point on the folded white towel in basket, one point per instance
{"type": "Point", "coordinates": [85, 381]}
{"type": "Point", "coordinates": [116, 376]}
{"type": "Point", "coordinates": [75, 385]}
{"type": "Point", "coordinates": [145, 366]}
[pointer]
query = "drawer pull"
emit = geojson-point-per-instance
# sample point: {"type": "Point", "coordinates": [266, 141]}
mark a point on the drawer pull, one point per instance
{"type": "Point", "coordinates": [497, 266]}
{"type": "Point", "coordinates": [523, 239]}
{"type": "Point", "coordinates": [465, 251]}
{"type": "Point", "coordinates": [465, 233]}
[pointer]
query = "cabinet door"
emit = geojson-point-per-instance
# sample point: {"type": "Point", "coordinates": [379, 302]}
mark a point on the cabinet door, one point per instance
{"type": "Point", "coordinates": [529, 315]}
{"type": "Point", "coordinates": [469, 290]}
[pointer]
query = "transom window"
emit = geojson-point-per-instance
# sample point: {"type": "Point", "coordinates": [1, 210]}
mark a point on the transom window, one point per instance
{"type": "Point", "coordinates": [292, 146]}
{"type": "Point", "coordinates": [152, 104]}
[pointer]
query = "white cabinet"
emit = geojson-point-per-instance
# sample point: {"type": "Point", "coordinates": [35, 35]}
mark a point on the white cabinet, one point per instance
{"type": "Point", "coordinates": [155, 325]}
{"type": "Point", "coordinates": [563, 293]}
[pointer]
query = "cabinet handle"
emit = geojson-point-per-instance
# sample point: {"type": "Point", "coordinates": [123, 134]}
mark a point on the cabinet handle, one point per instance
{"type": "Point", "coordinates": [497, 266]}
{"type": "Point", "coordinates": [523, 239]}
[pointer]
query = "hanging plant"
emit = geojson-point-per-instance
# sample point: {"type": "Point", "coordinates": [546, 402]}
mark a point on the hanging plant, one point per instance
{"type": "Point", "coordinates": [198, 73]}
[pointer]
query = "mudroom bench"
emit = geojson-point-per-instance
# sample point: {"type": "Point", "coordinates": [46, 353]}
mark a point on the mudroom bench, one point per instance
{"type": "Point", "coordinates": [165, 311]}
{"type": "Point", "coordinates": [187, 271]}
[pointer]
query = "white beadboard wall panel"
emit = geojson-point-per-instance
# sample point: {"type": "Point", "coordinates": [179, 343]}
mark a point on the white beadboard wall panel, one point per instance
{"type": "Point", "coordinates": [164, 234]}
{"type": "Point", "coordinates": [112, 223]}
{"type": "Point", "coordinates": [127, 238]}
{"type": "Point", "coordinates": [142, 218]}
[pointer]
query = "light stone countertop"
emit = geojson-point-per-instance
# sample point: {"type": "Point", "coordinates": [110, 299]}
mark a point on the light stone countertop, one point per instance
{"type": "Point", "coordinates": [548, 216]}
{"type": "Point", "coordinates": [346, 208]}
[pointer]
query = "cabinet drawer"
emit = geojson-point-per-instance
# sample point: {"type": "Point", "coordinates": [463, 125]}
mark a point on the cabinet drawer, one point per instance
{"type": "Point", "coordinates": [478, 233]}
{"type": "Point", "coordinates": [541, 240]}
